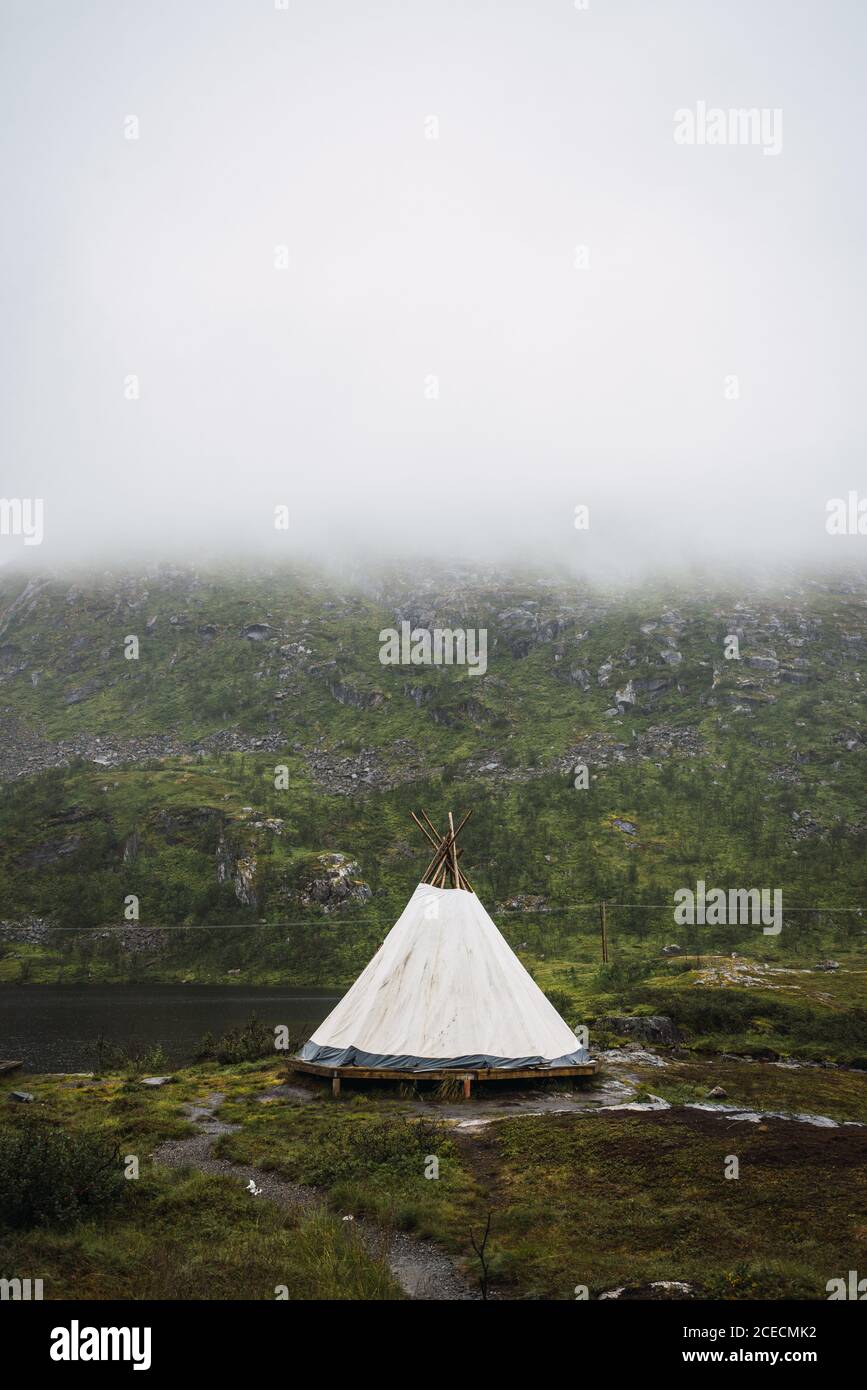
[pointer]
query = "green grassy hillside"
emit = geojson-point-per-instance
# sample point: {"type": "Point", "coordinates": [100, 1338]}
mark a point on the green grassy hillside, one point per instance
{"type": "Point", "coordinates": [257, 736]}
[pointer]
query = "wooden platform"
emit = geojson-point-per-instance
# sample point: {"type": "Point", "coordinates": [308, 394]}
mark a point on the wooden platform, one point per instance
{"type": "Point", "coordinates": [467, 1076]}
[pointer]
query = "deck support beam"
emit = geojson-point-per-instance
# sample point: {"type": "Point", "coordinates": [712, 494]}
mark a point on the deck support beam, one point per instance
{"type": "Point", "coordinates": [503, 1074]}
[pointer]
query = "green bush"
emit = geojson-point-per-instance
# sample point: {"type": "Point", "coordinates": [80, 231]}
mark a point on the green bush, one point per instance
{"type": "Point", "coordinates": [133, 1058]}
{"type": "Point", "coordinates": [248, 1042]}
{"type": "Point", "coordinates": [620, 974]}
{"type": "Point", "coordinates": [51, 1177]}
{"type": "Point", "coordinates": [361, 1147]}
{"type": "Point", "coordinates": [560, 999]}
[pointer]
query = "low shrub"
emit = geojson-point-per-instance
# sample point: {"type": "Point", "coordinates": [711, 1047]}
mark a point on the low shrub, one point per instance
{"type": "Point", "coordinates": [51, 1177]}
{"type": "Point", "coordinates": [358, 1149]}
{"type": "Point", "coordinates": [132, 1058]}
{"type": "Point", "coordinates": [560, 999]}
{"type": "Point", "coordinates": [249, 1042]}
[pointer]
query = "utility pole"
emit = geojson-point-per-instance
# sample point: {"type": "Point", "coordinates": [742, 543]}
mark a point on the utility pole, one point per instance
{"type": "Point", "coordinates": [604, 926]}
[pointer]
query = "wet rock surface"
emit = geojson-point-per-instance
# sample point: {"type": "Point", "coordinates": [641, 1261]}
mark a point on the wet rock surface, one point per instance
{"type": "Point", "coordinates": [658, 1290]}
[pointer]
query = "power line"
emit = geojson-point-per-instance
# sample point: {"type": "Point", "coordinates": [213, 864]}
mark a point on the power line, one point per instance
{"type": "Point", "coordinates": [374, 921]}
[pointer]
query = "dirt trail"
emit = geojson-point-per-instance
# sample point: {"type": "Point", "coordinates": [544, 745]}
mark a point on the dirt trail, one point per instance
{"type": "Point", "coordinates": [422, 1270]}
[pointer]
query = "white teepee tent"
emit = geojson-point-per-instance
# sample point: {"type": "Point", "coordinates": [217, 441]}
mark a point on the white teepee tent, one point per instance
{"type": "Point", "coordinates": [444, 990]}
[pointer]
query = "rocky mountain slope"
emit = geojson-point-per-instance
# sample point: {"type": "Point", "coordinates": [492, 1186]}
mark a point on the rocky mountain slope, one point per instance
{"type": "Point", "coordinates": [199, 741]}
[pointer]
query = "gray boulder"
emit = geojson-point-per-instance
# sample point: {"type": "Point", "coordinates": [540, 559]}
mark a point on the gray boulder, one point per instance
{"type": "Point", "coordinates": [651, 1028]}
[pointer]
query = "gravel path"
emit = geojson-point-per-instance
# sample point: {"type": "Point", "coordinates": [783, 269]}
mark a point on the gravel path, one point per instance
{"type": "Point", "coordinates": [422, 1269]}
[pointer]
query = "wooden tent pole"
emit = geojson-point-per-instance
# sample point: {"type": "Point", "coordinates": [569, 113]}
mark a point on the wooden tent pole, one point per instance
{"type": "Point", "coordinates": [445, 845]}
{"type": "Point", "coordinates": [431, 825]}
{"type": "Point", "coordinates": [432, 869]}
{"type": "Point", "coordinates": [455, 872]}
{"type": "Point", "coordinates": [445, 861]}
{"type": "Point", "coordinates": [424, 830]}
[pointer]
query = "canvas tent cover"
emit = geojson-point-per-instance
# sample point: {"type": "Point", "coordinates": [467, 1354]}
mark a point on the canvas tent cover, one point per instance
{"type": "Point", "coordinates": [444, 990]}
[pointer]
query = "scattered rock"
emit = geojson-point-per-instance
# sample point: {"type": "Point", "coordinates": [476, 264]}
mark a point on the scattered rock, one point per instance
{"type": "Point", "coordinates": [626, 826]}
{"type": "Point", "coordinates": [33, 930]}
{"type": "Point", "coordinates": [659, 1289]}
{"type": "Point", "coordinates": [524, 902]}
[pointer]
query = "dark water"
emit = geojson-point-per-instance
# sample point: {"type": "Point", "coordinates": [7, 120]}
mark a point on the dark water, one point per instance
{"type": "Point", "coordinates": [54, 1027]}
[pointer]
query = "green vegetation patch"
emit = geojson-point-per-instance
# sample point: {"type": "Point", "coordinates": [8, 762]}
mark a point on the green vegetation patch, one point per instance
{"type": "Point", "coordinates": [608, 1200]}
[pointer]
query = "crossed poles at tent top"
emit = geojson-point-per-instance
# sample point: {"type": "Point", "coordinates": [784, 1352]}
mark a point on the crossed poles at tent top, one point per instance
{"type": "Point", "coordinates": [443, 871]}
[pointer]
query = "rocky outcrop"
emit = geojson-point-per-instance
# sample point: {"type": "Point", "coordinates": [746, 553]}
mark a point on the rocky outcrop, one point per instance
{"type": "Point", "coordinates": [51, 851]}
{"type": "Point", "coordinates": [465, 712]}
{"type": "Point", "coordinates": [626, 697]}
{"type": "Point", "coordinates": [355, 698]}
{"type": "Point", "coordinates": [333, 882]}
{"type": "Point", "coordinates": [244, 879]}
{"type": "Point", "coordinates": [237, 866]}
{"type": "Point", "coordinates": [522, 628]}
{"type": "Point", "coordinates": [648, 1028]}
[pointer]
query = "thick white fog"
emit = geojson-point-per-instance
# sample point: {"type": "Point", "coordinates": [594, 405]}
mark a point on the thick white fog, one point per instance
{"type": "Point", "coordinates": [430, 275]}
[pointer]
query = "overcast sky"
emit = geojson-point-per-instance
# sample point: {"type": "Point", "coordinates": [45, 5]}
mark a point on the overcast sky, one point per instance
{"type": "Point", "coordinates": [600, 376]}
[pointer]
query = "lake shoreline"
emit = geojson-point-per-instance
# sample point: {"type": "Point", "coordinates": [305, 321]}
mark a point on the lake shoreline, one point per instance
{"type": "Point", "coordinates": [59, 1028]}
